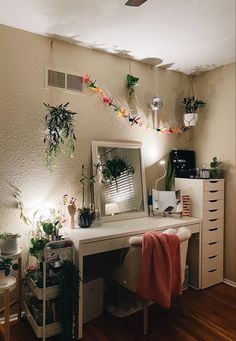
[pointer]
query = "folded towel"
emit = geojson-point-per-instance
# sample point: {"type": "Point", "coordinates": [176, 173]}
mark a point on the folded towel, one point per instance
{"type": "Point", "coordinates": [160, 272]}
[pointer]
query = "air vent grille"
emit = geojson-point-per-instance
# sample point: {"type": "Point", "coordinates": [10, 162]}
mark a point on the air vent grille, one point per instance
{"type": "Point", "coordinates": [74, 83]}
{"type": "Point", "coordinates": [56, 79]}
{"type": "Point", "coordinates": [65, 81]}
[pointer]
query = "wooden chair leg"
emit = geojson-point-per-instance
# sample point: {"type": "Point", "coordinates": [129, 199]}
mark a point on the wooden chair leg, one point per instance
{"type": "Point", "coordinates": [145, 317]}
{"type": "Point", "coordinates": [7, 315]}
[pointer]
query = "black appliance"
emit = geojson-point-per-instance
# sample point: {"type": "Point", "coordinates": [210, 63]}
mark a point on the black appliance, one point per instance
{"type": "Point", "coordinates": [184, 163]}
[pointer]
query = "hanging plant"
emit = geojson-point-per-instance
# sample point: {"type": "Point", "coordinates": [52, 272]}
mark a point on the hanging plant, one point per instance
{"type": "Point", "coordinates": [131, 83]}
{"type": "Point", "coordinates": [192, 104]}
{"type": "Point", "coordinates": [59, 130]}
{"type": "Point", "coordinates": [113, 169]}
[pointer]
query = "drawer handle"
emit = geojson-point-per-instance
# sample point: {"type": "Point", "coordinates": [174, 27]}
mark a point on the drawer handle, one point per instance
{"type": "Point", "coordinates": [213, 210]}
{"type": "Point", "coordinates": [212, 270]}
{"type": "Point", "coordinates": [214, 229]}
{"type": "Point", "coordinates": [212, 243]}
{"type": "Point", "coordinates": [213, 181]}
{"type": "Point", "coordinates": [211, 257]}
{"type": "Point", "coordinates": [213, 200]}
{"type": "Point", "coordinates": [213, 219]}
{"type": "Point", "coordinates": [213, 191]}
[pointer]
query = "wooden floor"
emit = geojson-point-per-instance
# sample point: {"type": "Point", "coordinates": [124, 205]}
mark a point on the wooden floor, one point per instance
{"type": "Point", "coordinates": [211, 316]}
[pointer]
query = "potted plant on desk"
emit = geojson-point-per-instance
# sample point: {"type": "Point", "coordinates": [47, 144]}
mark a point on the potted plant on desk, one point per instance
{"type": "Point", "coordinates": [86, 214]}
{"type": "Point", "coordinates": [216, 170]}
{"type": "Point", "coordinates": [191, 105]}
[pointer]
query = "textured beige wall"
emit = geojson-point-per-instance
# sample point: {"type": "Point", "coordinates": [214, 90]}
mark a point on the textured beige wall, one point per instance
{"type": "Point", "coordinates": [22, 69]}
{"type": "Point", "coordinates": [214, 135]}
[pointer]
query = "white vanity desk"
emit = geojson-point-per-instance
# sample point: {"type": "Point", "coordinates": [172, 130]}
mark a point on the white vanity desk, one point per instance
{"type": "Point", "coordinates": [115, 235]}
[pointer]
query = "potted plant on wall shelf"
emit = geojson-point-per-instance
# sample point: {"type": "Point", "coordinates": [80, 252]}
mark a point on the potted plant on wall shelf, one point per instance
{"type": "Point", "coordinates": [191, 105]}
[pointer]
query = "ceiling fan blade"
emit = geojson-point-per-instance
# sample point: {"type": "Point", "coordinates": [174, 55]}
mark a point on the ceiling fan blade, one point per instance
{"type": "Point", "coordinates": [135, 3]}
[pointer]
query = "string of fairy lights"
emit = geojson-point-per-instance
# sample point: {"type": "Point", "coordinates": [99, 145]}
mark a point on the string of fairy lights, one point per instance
{"type": "Point", "coordinates": [123, 112]}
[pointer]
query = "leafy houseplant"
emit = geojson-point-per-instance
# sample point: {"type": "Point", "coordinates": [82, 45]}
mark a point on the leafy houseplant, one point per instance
{"type": "Point", "coordinates": [6, 265]}
{"type": "Point", "coordinates": [37, 245]}
{"type": "Point", "coordinates": [113, 169]}
{"type": "Point", "coordinates": [216, 169]}
{"type": "Point", "coordinates": [5, 269]}
{"type": "Point", "coordinates": [191, 105]}
{"type": "Point", "coordinates": [59, 128]}
{"type": "Point", "coordinates": [8, 243]}
{"type": "Point", "coordinates": [131, 83]}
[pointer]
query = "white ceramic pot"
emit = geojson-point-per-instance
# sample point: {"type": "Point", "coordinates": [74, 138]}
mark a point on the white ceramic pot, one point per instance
{"type": "Point", "coordinates": [190, 120]}
{"type": "Point", "coordinates": [8, 246]}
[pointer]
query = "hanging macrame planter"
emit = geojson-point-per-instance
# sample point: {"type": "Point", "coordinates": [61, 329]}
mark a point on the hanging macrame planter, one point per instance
{"type": "Point", "coordinates": [190, 120]}
{"type": "Point", "coordinates": [191, 105]}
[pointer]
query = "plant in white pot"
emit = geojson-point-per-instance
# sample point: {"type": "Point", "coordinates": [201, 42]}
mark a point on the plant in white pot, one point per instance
{"type": "Point", "coordinates": [5, 269]}
{"type": "Point", "coordinates": [191, 105]}
{"type": "Point", "coordinates": [9, 243]}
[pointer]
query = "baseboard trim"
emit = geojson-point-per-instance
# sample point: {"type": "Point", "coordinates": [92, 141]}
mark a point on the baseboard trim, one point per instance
{"type": "Point", "coordinates": [231, 283]}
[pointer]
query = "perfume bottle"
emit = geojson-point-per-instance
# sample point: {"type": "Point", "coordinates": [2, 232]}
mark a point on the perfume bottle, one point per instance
{"type": "Point", "coordinates": [97, 218]}
{"type": "Point", "coordinates": [150, 206]}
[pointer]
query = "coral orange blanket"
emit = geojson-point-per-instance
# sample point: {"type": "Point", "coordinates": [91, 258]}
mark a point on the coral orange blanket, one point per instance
{"type": "Point", "coordinates": [160, 272]}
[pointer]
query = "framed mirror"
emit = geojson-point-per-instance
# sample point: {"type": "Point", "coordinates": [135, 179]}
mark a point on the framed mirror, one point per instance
{"type": "Point", "coordinates": [120, 187]}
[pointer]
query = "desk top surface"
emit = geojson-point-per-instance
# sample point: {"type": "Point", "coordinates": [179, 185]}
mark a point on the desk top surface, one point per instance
{"type": "Point", "coordinates": [130, 227]}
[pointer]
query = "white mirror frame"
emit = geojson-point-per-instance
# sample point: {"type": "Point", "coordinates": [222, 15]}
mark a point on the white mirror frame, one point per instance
{"type": "Point", "coordinates": [95, 160]}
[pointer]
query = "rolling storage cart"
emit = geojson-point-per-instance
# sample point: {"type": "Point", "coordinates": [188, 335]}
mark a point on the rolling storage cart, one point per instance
{"type": "Point", "coordinates": [41, 306]}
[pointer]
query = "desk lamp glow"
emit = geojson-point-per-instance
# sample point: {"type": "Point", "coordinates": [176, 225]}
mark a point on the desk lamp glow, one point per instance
{"type": "Point", "coordinates": [162, 163]}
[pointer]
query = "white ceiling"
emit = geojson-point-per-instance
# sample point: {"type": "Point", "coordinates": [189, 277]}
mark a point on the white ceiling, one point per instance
{"type": "Point", "coordinates": [183, 35]}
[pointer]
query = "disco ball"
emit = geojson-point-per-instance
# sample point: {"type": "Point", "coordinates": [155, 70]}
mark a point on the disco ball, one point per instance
{"type": "Point", "coordinates": [156, 103]}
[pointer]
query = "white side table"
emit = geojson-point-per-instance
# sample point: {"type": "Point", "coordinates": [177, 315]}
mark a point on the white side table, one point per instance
{"type": "Point", "coordinates": [16, 256]}
{"type": "Point", "coordinates": [5, 289]}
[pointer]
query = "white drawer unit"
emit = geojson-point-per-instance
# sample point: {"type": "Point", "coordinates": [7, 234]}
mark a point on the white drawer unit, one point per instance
{"type": "Point", "coordinates": [207, 203]}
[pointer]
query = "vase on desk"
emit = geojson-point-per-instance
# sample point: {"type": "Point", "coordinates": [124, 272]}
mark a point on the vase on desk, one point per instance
{"type": "Point", "coordinates": [85, 217]}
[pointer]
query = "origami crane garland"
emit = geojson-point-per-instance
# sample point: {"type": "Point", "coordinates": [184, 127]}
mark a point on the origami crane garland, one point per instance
{"type": "Point", "coordinates": [122, 112]}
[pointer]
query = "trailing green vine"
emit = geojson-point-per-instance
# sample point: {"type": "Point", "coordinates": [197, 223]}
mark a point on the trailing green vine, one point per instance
{"type": "Point", "coordinates": [59, 130]}
{"type": "Point", "coordinates": [131, 83]}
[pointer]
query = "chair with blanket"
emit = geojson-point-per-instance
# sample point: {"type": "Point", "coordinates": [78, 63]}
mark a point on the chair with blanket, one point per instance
{"type": "Point", "coordinates": [167, 257]}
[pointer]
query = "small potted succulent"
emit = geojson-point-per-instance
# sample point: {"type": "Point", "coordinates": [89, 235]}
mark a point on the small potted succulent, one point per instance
{"type": "Point", "coordinates": [191, 105]}
{"type": "Point", "coordinates": [9, 243]}
{"type": "Point", "coordinates": [5, 269]}
{"type": "Point", "coordinates": [216, 170]}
